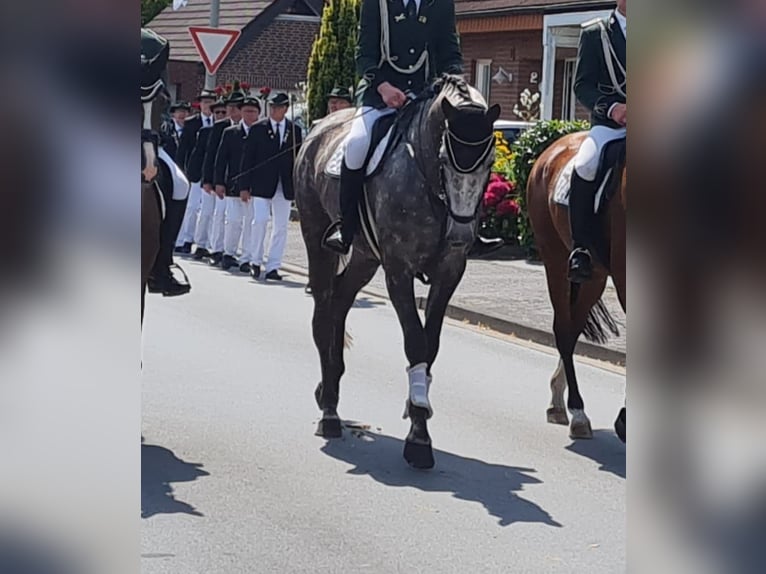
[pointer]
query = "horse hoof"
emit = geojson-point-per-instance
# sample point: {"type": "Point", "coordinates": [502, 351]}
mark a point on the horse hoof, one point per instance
{"type": "Point", "coordinates": [329, 428]}
{"type": "Point", "coordinates": [557, 416]}
{"type": "Point", "coordinates": [419, 456]}
{"type": "Point", "coordinates": [620, 426]}
{"type": "Point", "coordinates": [580, 430]}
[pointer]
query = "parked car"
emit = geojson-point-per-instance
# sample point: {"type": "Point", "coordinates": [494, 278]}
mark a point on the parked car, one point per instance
{"type": "Point", "coordinates": [511, 129]}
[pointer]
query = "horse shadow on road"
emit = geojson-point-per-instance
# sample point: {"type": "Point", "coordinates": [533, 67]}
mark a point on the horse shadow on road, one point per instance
{"type": "Point", "coordinates": [494, 486]}
{"type": "Point", "coordinates": [160, 467]}
{"type": "Point", "coordinates": [605, 449]}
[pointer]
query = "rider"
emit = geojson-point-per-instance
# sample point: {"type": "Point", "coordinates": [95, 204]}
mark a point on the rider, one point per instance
{"type": "Point", "coordinates": [401, 49]}
{"type": "Point", "coordinates": [600, 85]}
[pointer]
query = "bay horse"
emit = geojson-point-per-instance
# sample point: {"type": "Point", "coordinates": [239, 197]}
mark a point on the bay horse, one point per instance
{"type": "Point", "coordinates": [424, 203]}
{"type": "Point", "coordinates": [577, 309]}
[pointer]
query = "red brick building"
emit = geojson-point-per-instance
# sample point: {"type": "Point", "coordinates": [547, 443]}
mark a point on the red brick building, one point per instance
{"type": "Point", "coordinates": [513, 45]}
{"type": "Point", "coordinates": [272, 51]}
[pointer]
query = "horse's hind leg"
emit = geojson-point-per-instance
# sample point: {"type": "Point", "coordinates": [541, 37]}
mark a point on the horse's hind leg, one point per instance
{"type": "Point", "coordinates": [333, 298]}
{"type": "Point", "coordinates": [417, 448]}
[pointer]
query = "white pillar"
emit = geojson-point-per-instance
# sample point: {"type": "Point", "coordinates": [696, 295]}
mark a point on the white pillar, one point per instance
{"type": "Point", "coordinates": [549, 69]}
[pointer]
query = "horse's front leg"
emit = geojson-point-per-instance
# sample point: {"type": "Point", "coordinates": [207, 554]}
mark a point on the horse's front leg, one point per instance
{"type": "Point", "coordinates": [443, 285]}
{"type": "Point", "coordinates": [417, 449]}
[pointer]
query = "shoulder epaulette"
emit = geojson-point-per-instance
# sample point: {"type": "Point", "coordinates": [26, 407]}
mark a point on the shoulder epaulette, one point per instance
{"type": "Point", "coordinates": [590, 23]}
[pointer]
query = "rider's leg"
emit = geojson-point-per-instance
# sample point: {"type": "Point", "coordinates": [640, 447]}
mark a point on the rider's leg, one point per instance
{"type": "Point", "coordinates": [352, 178]}
{"type": "Point", "coordinates": [582, 198]}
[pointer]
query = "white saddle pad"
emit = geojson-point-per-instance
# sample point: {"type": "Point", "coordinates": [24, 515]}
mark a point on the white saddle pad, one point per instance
{"type": "Point", "coordinates": [564, 185]}
{"type": "Point", "coordinates": [181, 185]}
{"type": "Point", "coordinates": [336, 160]}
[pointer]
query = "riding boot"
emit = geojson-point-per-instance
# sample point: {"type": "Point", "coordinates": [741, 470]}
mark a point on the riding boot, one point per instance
{"type": "Point", "coordinates": [161, 277]}
{"type": "Point", "coordinates": [582, 219]}
{"type": "Point", "coordinates": [351, 187]}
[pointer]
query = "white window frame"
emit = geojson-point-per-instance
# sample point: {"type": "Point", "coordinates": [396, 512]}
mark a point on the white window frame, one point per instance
{"type": "Point", "coordinates": [568, 100]}
{"type": "Point", "coordinates": [483, 77]}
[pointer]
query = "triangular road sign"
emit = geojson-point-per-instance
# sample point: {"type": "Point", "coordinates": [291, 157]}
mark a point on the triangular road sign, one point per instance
{"type": "Point", "coordinates": [213, 45]}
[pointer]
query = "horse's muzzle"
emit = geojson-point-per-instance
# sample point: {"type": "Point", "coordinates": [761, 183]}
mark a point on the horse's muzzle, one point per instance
{"type": "Point", "coordinates": [459, 235]}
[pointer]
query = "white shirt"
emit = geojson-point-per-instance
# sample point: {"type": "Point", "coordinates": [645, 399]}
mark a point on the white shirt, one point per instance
{"type": "Point", "coordinates": [245, 127]}
{"type": "Point", "coordinates": [179, 127]}
{"type": "Point", "coordinates": [206, 120]}
{"type": "Point", "coordinates": [623, 21]}
{"type": "Point", "coordinates": [279, 130]}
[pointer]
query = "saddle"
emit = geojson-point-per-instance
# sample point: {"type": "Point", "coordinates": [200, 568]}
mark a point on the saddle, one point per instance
{"type": "Point", "coordinates": [608, 176]}
{"type": "Point", "coordinates": [385, 133]}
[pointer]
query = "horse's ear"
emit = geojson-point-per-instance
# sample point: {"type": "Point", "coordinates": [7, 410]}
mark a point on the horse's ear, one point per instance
{"type": "Point", "coordinates": [493, 113]}
{"type": "Point", "coordinates": [448, 109]}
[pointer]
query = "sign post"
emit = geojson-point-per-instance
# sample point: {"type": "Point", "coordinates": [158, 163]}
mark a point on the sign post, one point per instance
{"type": "Point", "coordinates": [215, 9]}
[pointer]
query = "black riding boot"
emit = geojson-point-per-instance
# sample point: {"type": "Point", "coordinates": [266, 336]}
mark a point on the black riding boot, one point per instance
{"type": "Point", "coordinates": [162, 279]}
{"type": "Point", "coordinates": [582, 220]}
{"type": "Point", "coordinates": [351, 187]}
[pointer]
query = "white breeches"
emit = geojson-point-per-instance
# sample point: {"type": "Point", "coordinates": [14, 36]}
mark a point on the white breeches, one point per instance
{"type": "Point", "coordinates": [587, 159]}
{"type": "Point", "coordinates": [358, 140]}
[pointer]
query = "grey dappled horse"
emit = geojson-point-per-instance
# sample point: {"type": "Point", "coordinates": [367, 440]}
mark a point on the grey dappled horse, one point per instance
{"type": "Point", "coordinates": [424, 202]}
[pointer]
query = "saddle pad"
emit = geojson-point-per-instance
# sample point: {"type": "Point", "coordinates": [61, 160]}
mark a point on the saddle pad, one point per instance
{"type": "Point", "coordinates": [336, 160]}
{"type": "Point", "coordinates": [181, 185]}
{"type": "Point", "coordinates": [564, 185]}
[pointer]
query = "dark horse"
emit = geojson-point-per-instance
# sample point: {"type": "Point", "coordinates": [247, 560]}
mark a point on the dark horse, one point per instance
{"type": "Point", "coordinates": [154, 97]}
{"type": "Point", "coordinates": [575, 309]}
{"type": "Point", "coordinates": [424, 203]}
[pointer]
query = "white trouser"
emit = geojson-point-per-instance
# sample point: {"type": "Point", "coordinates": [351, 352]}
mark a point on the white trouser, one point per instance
{"type": "Point", "coordinates": [587, 159]}
{"type": "Point", "coordinates": [278, 209]}
{"type": "Point", "coordinates": [186, 235]}
{"type": "Point", "coordinates": [237, 214]}
{"type": "Point", "coordinates": [202, 233]}
{"type": "Point", "coordinates": [359, 137]}
{"type": "Point", "coordinates": [219, 219]}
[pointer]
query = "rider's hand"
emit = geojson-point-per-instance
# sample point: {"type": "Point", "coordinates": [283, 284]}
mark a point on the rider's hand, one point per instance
{"type": "Point", "coordinates": [220, 191]}
{"type": "Point", "coordinates": [620, 114]}
{"type": "Point", "coordinates": [393, 97]}
{"type": "Point", "coordinates": [208, 187]}
{"type": "Point", "coordinates": [244, 195]}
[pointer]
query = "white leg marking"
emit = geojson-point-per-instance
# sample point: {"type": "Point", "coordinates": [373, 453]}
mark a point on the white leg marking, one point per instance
{"type": "Point", "coordinates": [558, 385]}
{"type": "Point", "coordinates": [420, 383]}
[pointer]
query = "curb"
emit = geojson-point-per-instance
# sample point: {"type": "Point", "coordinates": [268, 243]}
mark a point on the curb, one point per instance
{"type": "Point", "coordinates": [503, 326]}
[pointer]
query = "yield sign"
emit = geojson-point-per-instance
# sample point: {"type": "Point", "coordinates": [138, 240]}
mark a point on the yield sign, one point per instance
{"type": "Point", "coordinates": [213, 45]}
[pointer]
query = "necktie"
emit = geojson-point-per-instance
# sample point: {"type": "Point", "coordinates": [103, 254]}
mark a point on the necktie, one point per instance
{"type": "Point", "coordinates": [412, 9]}
{"type": "Point", "coordinates": [279, 133]}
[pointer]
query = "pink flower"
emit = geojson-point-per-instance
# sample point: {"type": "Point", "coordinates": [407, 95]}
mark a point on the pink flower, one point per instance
{"type": "Point", "coordinates": [508, 207]}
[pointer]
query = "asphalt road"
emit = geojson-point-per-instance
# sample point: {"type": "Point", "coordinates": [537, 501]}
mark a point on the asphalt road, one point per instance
{"type": "Point", "coordinates": [234, 480]}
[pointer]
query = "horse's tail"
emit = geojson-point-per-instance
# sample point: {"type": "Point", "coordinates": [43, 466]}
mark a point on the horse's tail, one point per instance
{"type": "Point", "coordinates": [600, 324]}
{"type": "Point", "coordinates": [348, 340]}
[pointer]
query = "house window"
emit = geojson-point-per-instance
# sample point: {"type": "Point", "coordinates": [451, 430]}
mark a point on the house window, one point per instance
{"type": "Point", "coordinates": [569, 101]}
{"type": "Point", "coordinates": [483, 79]}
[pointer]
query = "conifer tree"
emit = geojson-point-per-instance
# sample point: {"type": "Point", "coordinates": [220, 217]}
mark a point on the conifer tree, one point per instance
{"type": "Point", "coordinates": [332, 56]}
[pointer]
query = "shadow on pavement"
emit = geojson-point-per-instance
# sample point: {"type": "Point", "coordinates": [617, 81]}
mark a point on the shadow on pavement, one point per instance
{"type": "Point", "coordinates": [491, 485]}
{"type": "Point", "coordinates": [159, 468]}
{"type": "Point", "coordinates": [605, 449]}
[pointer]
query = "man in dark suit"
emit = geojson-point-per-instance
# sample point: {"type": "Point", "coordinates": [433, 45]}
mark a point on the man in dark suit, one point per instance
{"type": "Point", "coordinates": [601, 86]}
{"type": "Point", "coordinates": [210, 239]}
{"type": "Point", "coordinates": [186, 150]}
{"type": "Point", "coordinates": [267, 165]}
{"type": "Point", "coordinates": [197, 203]}
{"type": "Point", "coordinates": [170, 132]}
{"type": "Point", "coordinates": [228, 163]}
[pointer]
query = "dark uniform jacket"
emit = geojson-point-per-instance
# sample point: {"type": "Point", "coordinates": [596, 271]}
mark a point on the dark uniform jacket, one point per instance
{"type": "Point", "coordinates": [169, 138]}
{"type": "Point", "coordinates": [593, 84]}
{"type": "Point", "coordinates": [213, 142]}
{"type": "Point", "coordinates": [229, 159]}
{"type": "Point", "coordinates": [266, 161]}
{"type": "Point", "coordinates": [432, 28]}
{"type": "Point", "coordinates": [196, 160]}
{"type": "Point", "coordinates": [188, 142]}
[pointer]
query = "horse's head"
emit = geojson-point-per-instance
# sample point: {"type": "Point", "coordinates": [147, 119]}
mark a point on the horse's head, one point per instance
{"type": "Point", "coordinates": [465, 155]}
